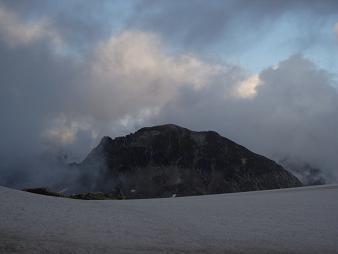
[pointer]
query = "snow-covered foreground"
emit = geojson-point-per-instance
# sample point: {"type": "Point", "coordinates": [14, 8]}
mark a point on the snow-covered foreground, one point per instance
{"type": "Point", "coordinates": [302, 220]}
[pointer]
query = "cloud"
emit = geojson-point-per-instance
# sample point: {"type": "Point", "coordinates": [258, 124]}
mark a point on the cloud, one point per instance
{"type": "Point", "coordinates": [59, 104]}
{"type": "Point", "coordinates": [200, 24]}
{"type": "Point", "coordinates": [132, 79]}
{"type": "Point", "coordinates": [292, 115]}
{"type": "Point", "coordinates": [133, 71]}
{"type": "Point", "coordinates": [248, 87]}
{"type": "Point", "coordinates": [65, 131]}
{"type": "Point", "coordinates": [335, 29]}
{"type": "Point", "coordinates": [53, 104]}
{"type": "Point", "coordinates": [16, 32]}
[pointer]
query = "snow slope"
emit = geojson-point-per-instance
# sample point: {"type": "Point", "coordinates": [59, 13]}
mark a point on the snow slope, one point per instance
{"type": "Point", "coordinates": [299, 220]}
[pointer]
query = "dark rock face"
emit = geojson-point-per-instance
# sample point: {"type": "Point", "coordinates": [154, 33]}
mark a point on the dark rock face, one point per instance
{"type": "Point", "coordinates": [168, 160]}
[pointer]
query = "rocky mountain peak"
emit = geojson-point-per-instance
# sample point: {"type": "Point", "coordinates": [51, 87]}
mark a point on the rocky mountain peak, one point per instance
{"type": "Point", "coordinates": [167, 160]}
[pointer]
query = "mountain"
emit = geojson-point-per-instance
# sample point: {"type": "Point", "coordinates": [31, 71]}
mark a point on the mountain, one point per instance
{"type": "Point", "coordinates": [307, 173]}
{"type": "Point", "coordinates": [168, 160]}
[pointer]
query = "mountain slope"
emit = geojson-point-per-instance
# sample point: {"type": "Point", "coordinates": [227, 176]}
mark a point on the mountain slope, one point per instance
{"type": "Point", "coordinates": [167, 160]}
{"type": "Point", "coordinates": [293, 221]}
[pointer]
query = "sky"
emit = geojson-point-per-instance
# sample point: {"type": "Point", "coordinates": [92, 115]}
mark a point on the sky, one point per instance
{"type": "Point", "coordinates": [262, 73]}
